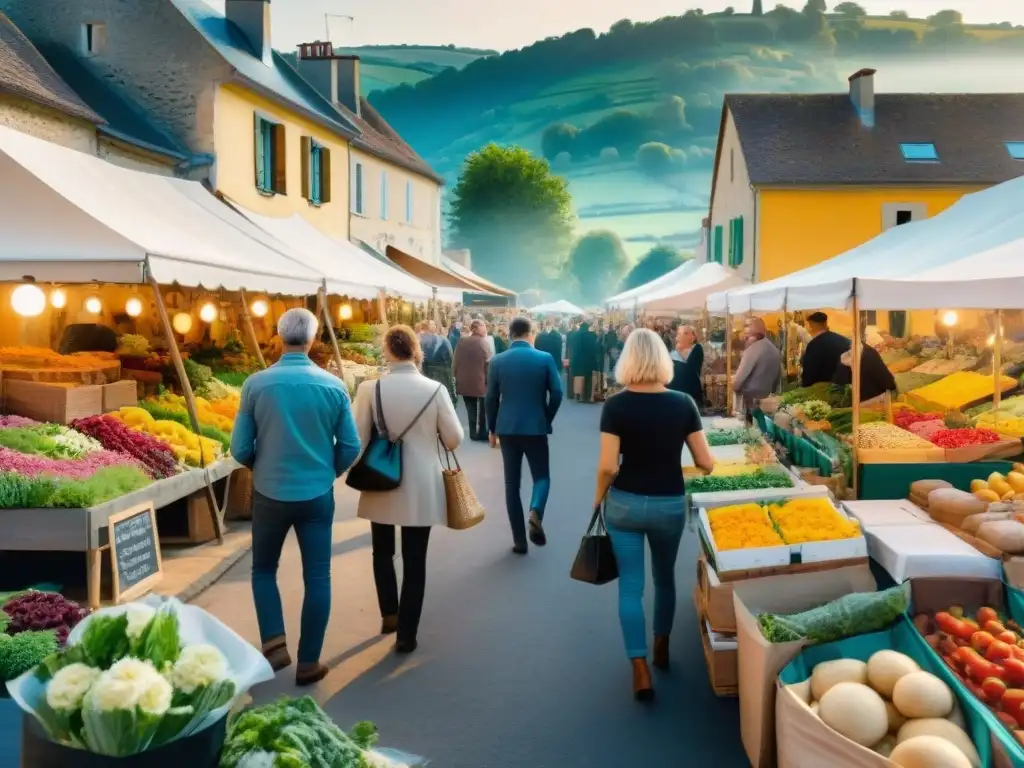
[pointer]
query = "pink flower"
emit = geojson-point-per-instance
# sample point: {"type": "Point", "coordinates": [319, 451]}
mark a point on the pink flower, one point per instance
{"type": "Point", "coordinates": [72, 469]}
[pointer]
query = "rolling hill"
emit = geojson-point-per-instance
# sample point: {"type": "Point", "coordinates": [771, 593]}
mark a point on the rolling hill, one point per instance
{"type": "Point", "coordinates": [387, 66]}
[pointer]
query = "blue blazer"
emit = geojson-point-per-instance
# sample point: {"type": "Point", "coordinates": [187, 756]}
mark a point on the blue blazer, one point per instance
{"type": "Point", "coordinates": [524, 391]}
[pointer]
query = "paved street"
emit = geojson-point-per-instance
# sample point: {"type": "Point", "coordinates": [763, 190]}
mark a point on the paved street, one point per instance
{"type": "Point", "coordinates": [518, 665]}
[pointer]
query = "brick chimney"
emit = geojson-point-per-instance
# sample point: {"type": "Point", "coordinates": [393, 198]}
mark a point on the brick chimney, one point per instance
{"type": "Point", "coordinates": [253, 18]}
{"type": "Point", "coordinates": [862, 94]}
{"type": "Point", "coordinates": [336, 77]}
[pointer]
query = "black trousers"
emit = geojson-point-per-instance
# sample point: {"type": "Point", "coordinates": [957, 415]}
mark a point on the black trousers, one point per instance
{"type": "Point", "coordinates": [414, 574]}
{"type": "Point", "coordinates": [534, 448]}
{"type": "Point", "coordinates": [477, 414]}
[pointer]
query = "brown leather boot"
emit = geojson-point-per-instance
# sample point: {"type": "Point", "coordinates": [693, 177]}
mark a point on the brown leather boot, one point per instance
{"type": "Point", "coordinates": [643, 688]}
{"type": "Point", "coordinates": [660, 655]}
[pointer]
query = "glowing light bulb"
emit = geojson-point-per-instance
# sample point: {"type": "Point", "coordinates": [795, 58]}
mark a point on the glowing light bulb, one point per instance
{"type": "Point", "coordinates": [182, 323]}
{"type": "Point", "coordinates": [208, 313]}
{"type": "Point", "coordinates": [28, 300]}
{"type": "Point", "coordinates": [133, 307]}
{"type": "Point", "coordinates": [93, 305]}
{"type": "Point", "coordinates": [949, 318]}
{"type": "Point", "coordinates": [58, 299]}
{"type": "Point", "coordinates": [345, 313]}
{"type": "Point", "coordinates": [260, 308]}
{"type": "Point", "coordinates": [992, 340]}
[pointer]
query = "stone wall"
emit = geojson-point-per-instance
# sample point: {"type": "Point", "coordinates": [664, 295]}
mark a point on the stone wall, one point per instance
{"type": "Point", "coordinates": [47, 124]}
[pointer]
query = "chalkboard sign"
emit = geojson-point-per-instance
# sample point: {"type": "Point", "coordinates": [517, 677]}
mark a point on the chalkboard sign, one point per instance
{"type": "Point", "coordinates": [134, 552]}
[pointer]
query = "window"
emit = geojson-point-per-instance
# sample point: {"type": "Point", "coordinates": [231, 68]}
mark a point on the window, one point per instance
{"type": "Point", "coordinates": [357, 189]}
{"type": "Point", "coordinates": [716, 254]}
{"type": "Point", "coordinates": [408, 202]}
{"type": "Point", "coordinates": [1016, 149]}
{"type": "Point", "coordinates": [271, 176]}
{"type": "Point", "coordinates": [904, 217]}
{"type": "Point", "coordinates": [898, 214]}
{"type": "Point", "coordinates": [94, 38]}
{"type": "Point", "coordinates": [316, 172]}
{"type": "Point", "coordinates": [919, 153]}
{"type": "Point", "coordinates": [384, 194]}
{"type": "Point", "coordinates": [736, 242]}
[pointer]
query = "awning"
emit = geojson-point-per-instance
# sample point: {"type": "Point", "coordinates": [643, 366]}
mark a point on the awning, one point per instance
{"type": "Point", "coordinates": [429, 273]}
{"type": "Point", "coordinates": [454, 267]}
{"type": "Point", "coordinates": [627, 299]}
{"type": "Point", "coordinates": [691, 291]}
{"type": "Point", "coordinates": [71, 217]}
{"type": "Point", "coordinates": [560, 307]}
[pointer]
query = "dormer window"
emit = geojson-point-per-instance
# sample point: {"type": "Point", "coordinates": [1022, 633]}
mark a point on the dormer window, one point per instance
{"type": "Point", "coordinates": [1016, 149]}
{"type": "Point", "coordinates": [919, 153]}
{"type": "Point", "coordinates": [94, 38]}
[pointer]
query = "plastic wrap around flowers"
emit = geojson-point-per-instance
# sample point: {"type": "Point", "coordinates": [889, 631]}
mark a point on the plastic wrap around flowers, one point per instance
{"type": "Point", "coordinates": [133, 678]}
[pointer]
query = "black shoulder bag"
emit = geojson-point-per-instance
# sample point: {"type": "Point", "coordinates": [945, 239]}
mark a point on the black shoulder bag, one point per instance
{"type": "Point", "coordinates": [595, 560]}
{"type": "Point", "coordinates": [380, 466]}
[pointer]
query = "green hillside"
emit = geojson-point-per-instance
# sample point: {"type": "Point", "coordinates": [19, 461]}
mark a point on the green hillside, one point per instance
{"type": "Point", "coordinates": [588, 102]}
{"type": "Point", "coordinates": [387, 66]}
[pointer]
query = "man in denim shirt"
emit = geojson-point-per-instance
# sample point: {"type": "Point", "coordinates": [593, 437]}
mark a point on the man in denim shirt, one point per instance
{"type": "Point", "coordinates": [296, 432]}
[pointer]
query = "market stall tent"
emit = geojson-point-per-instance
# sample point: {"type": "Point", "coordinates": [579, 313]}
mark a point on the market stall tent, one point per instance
{"type": "Point", "coordinates": [429, 272]}
{"type": "Point", "coordinates": [977, 222]}
{"type": "Point", "coordinates": [74, 218]}
{"type": "Point", "coordinates": [561, 307]}
{"type": "Point", "coordinates": [691, 291]}
{"type": "Point", "coordinates": [627, 299]}
{"type": "Point", "coordinates": [467, 274]}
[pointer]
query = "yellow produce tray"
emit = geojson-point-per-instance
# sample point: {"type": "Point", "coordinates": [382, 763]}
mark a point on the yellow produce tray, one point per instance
{"type": "Point", "coordinates": [901, 455]}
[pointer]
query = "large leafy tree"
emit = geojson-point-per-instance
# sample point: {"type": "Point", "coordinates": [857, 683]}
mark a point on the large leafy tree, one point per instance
{"type": "Point", "coordinates": [658, 261]}
{"type": "Point", "coordinates": [513, 214]}
{"type": "Point", "coordinates": [597, 262]}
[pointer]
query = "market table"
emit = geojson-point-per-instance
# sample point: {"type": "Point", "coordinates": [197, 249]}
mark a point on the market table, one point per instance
{"type": "Point", "coordinates": [892, 481]}
{"type": "Point", "coordinates": [920, 551]}
{"type": "Point", "coordinates": [86, 529]}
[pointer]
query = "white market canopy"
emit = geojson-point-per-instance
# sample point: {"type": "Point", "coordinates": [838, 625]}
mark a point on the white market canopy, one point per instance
{"type": "Point", "coordinates": [560, 307]}
{"type": "Point", "coordinates": [691, 291]}
{"type": "Point", "coordinates": [903, 267]}
{"type": "Point", "coordinates": [628, 299]}
{"type": "Point", "coordinates": [486, 286]}
{"type": "Point", "coordinates": [70, 217]}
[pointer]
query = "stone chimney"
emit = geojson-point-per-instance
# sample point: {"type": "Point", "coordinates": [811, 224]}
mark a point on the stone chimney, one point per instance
{"type": "Point", "coordinates": [862, 94]}
{"type": "Point", "coordinates": [336, 77]}
{"type": "Point", "coordinates": [253, 18]}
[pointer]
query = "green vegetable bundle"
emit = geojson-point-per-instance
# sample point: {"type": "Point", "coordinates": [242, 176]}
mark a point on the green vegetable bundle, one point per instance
{"type": "Point", "coordinates": [816, 410]}
{"type": "Point", "coordinates": [19, 491]}
{"type": "Point", "coordinates": [725, 436]}
{"type": "Point", "coordinates": [21, 652]}
{"type": "Point", "coordinates": [756, 480]}
{"type": "Point", "coordinates": [817, 391]}
{"type": "Point", "coordinates": [850, 615]}
{"type": "Point", "coordinates": [842, 419]}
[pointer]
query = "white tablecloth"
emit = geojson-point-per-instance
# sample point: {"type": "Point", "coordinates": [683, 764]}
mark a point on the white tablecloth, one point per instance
{"type": "Point", "coordinates": [916, 551]}
{"type": "Point", "coordinates": [871, 514]}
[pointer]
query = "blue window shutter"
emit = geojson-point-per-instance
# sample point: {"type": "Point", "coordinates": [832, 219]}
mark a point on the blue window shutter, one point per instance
{"type": "Point", "coordinates": [259, 146]}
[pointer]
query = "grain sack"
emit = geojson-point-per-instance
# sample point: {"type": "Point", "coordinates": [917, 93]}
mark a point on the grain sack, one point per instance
{"type": "Point", "coordinates": [954, 505]}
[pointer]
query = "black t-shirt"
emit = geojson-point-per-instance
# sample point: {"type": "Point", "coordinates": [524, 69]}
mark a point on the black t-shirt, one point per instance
{"type": "Point", "coordinates": [652, 428]}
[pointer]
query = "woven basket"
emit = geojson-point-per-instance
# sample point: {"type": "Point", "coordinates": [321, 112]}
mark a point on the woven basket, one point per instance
{"type": "Point", "coordinates": [463, 507]}
{"type": "Point", "coordinates": [240, 496]}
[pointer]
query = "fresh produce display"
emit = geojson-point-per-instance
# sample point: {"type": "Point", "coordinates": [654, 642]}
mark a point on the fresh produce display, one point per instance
{"type": "Point", "coordinates": [958, 438]}
{"type": "Point", "coordinates": [758, 479]}
{"type": "Point", "coordinates": [891, 706]}
{"type": "Point", "coordinates": [997, 487]}
{"type": "Point", "coordinates": [296, 732]}
{"type": "Point", "coordinates": [132, 345]}
{"type": "Point", "coordinates": [22, 651]}
{"type": "Point", "coordinates": [905, 382]}
{"type": "Point", "coordinates": [49, 440]}
{"type": "Point", "coordinates": [850, 615]}
{"type": "Point", "coordinates": [943, 367]}
{"type": "Point", "coordinates": [38, 611]}
{"type": "Point", "coordinates": [19, 490]}
{"type": "Point", "coordinates": [926, 429]}
{"type": "Point", "coordinates": [881, 434]}
{"type": "Point", "coordinates": [41, 357]}
{"type": "Point", "coordinates": [958, 390]}
{"type": "Point", "coordinates": [904, 418]}
{"type": "Point", "coordinates": [834, 396]}
{"type": "Point", "coordinates": [743, 526]}
{"type": "Point", "coordinates": [717, 437]}
{"type": "Point", "coordinates": [985, 650]}
{"type": "Point", "coordinates": [1007, 420]}
{"type": "Point", "coordinates": [16, 421]}
{"type": "Point", "coordinates": [154, 455]}
{"type": "Point", "coordinates": [801, 521]}
{"type": "Point", "coordinates": [841, 420]}
{"type": "Point", "coordinates": [184, 444]}
{"type": "Point", "coordinates": [815, 410]}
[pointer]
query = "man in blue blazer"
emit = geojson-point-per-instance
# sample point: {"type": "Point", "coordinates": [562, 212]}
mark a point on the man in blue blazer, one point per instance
{"type": "Point", "coordinates": [524, 390]}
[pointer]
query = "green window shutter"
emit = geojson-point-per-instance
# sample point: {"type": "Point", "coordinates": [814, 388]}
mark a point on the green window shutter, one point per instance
{"type": "Point", "coordinates": [739, 242]}
{"type": "Point", "coordinates": [719, 233]}
{"type": "Point", "coordinates": [306, 154]}
{"type": "Point", "coordinates": [325, 175]}
{"type": "Point", "coordinates": [260, 161]}
{"type": "Point", "coordinates": [732, 242]}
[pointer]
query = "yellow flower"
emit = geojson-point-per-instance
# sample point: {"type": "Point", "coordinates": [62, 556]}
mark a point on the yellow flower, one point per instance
{"type": "Point", "coordinates": [742, 526]}
{"type": "Point", "coordinates": [808, 520]}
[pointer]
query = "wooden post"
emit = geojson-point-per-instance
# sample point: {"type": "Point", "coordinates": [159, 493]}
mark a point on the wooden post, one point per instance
{"type": "Point", "coordinates": [728, 362]}
{"type": "Point", "coordinates": [382, 306]}
{"type": "Point", "coordinates": [437, 310]}
{"type": "Point", "coordinates": [785, 341]}
{"type": "Point", "coordinates": [190, 403]}
{"type": "Point", "coordinates": [855, 370]}
{"type": "Point", "coordinates": [330, 331]}
{"type": "Point", "coordinates": [250, 331]}
{"type": "Point", "coordinates": [997, 365]}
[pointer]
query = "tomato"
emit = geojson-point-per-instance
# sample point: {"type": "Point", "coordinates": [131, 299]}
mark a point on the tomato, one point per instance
{"type": "Point", "coordinates": [953, 626]}
{"type": "Point", "coordinates": [1012, 699]}
{"type": "Point", "coordinates": [994, 627]}
{"type": "Point", "coordinates": [1020, 736]}
{"type": "Point", "coordinates": [957, 610]}
{"type": "Point", "coordinates": [994, 688]}
{"type": "Point", "coordinates": [1007, 720]}
{"type": "Point", "coordinates": [980, 641]}
{"type": "Point", "coordinates": [1008, 637]}
{"type": "Point", "coordinates": [1013, 671]}
{"type": "Point", "coordinates": [1017, 652]}
{"type": "Point", "coordinates": [998, 651]}
{"type": "Point", "coordinates": [977, 667]}
{"type": "Point", "coordinates": [947, 645]}
{"type": "Point", "coordinates": [986, 615]}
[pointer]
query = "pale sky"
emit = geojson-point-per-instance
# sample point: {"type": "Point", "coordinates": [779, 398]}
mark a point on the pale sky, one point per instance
{"type": "Point", "coordinates": [502, 24]}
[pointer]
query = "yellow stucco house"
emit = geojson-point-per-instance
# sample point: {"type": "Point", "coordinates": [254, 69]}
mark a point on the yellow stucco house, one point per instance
{"type": "Point", "coordinates": [801, 178]}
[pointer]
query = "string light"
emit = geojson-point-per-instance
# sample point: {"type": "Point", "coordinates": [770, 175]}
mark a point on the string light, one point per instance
{"type": "Point", "coordinates": [133, 307]}
{"type": "Point", "coordinates": [208, 313]}
{"type": "Point", "coordinates": [949, 318]}
{"type": "Point", "coordinates": [345, 313]}
{"type": "Point", "coordinates": [182, 323]}
{"type": "Point", "coordinates": [58, 298]}
{"type": "Point", "coordinates": [93, 305]}
{"type": "Point", "coordinates": [28, 300]}
{"type": "Point", "coordinates": [260, 308]}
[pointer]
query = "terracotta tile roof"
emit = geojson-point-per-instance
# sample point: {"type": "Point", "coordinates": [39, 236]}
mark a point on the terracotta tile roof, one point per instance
{"type": "Point", "coordinates": [25, 73]}
{"type": "Point", "coordinates": [380, 139]}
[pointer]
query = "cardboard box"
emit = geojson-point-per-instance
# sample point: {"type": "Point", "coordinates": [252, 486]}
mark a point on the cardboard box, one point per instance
{"type": "Point", "coordinates": [759, 662]}
{"type": "Point", "coordinates": [716, 598]}
{"type": "Point", "coordinates": [56, 403]}
{"type": "Point", "coordinates": [120, 394]}
{"type": "Point", "coordinates": [720, 656]}
{"type": "Point", "coordinates": [806, 742]}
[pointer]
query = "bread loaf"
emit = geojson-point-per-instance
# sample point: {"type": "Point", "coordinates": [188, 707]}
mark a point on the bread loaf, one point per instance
{"type": "Point", "coordinates": [970, 524]}
{"type": "Point", "coordinates": [1006, 535]}
{"type": "Point", "coordinates": [954, 505]}
{"type": "Point", "coordinates": [924, 487]}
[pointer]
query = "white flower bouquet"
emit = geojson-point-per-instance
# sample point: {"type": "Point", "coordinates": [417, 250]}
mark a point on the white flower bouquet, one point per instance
{"type": "Point", "coordinates": [133, 678]}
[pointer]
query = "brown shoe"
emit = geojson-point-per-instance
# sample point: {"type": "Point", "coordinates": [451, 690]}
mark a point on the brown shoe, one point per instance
{"type": "Point", "coordinates": [276, 652]}
{"type": "Point", "coordinates": [643, 688]}
{"type": "Point", "coordinates": [660, 655]}
{"type": "Point", "coordinates": [310, 674]}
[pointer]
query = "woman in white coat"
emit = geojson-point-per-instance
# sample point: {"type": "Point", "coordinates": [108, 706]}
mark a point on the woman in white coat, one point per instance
{"type": "Point", "coordinates": [419, 407]}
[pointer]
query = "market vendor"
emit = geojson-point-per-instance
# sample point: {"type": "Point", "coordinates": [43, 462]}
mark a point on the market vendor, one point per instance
{"type": "Point", "coordinates": [760, 368]}
{"type": "Point", "coordinates": [875, 377]}
{"type": "Point", "coordinates": [822, 353]}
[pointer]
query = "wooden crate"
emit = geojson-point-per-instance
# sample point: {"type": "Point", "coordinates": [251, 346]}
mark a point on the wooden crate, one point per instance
{"type": "Point", "coordinates": [199, 524]}
{"type": "Point", "coordinates": [120, 394]}
{"type": "Point", "coordinates": [721, 658]}
{"type": "Point", "coordinates": [57, 403]}
{"type": "Point", "coordinates": [715, 599]}
{"type": "Point", "coordinates": [240, 495]}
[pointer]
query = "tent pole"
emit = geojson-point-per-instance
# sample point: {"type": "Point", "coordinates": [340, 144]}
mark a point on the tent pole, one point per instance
{"type": "Point", "coordinates": [250, 331]}
{"type": "Point", "coordinates": [330, 331]}
{"type": "Point", "coordinates": [437, 309]}
{"type": "Point", "coordinates": [785, 341]}
{"type": "Point", "coordinates": [190, 405]}
{"type": "Point", "coordinates": [382, 307]}
{"type": "Point", "coordinates": [997, 364]}
{"type": "Point", "coordinates": [728, 362]}
{"type": "Point", "coordinates": [855, 369]}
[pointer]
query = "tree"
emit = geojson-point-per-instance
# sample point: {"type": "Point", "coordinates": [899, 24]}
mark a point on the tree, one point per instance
{"type": "Point", "coordinates": [758, 9]}
{"type": "Point", "coordinates": [945, 18]}
{"type": "Point", "coordinates": [851, 10]}
{"type": "Point", "coordinates": [899, 15]}
{"type": "Point", "coordinates": [622, 129]}
{"type": "Point", "coordinates": [513, 214]}
{"type": "Point", "coordinates": [818, 6]}
{"type": "Point", "coordinates": [658, 261]}
{"type": "Point", "coordinates": [597, 262]}
{"type": "Point", "coordinates": [558, 138]}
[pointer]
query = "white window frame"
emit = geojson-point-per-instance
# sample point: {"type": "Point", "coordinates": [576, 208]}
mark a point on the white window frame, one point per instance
{"type": "Point", "coordinates": [918, 212]}
{"type": "Point", "coordinates": [358, 205]}
{"type": "Point", "coordinates": [409, 209]}
{"type": "Point", "coordinates": [384, 194]}
{"type": "Point", "coordinates": [93, 38]}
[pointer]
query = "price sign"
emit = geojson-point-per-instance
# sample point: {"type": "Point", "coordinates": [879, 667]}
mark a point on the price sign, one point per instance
{"type": "Point", "coordinates": [134, 552]}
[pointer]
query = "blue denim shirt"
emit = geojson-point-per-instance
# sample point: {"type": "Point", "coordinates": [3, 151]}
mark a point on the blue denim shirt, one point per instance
{"type": "Point", "coordinates": [295, 429]}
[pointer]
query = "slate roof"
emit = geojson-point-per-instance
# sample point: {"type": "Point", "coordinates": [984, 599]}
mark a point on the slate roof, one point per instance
{"type": "Point", "coordinates": [25, 73]}
{"type": "Point", "coordinates": [380, 139]}
{"type": "Point", "coordinates": [819, 139]}
{"type": "Point", "coordinates": [124, 120]}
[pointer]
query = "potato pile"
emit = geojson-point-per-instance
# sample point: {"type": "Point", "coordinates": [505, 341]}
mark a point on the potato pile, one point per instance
{"type": "Point", "coordinates": [892, 707]}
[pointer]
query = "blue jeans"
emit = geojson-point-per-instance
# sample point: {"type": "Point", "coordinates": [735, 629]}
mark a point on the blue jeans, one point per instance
{"type": "Point", "coordinates": [313, 521]}
{"type": "Point", "coordinates": [659, 519]}
{"type": "Point", "coordinates": [535, 449]}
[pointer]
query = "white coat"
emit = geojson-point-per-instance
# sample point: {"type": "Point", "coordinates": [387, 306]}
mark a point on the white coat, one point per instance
{"type": "Point", "coordinates": [420, 500]}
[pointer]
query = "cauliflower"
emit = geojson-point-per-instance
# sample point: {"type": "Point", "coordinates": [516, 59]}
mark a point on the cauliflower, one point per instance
{"type": "Point", "coordinates": [198, 666]}
{"type": "Point", "coordinates": [69, 686]}
{"type": "Point", "coordinates": [21, 652]}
